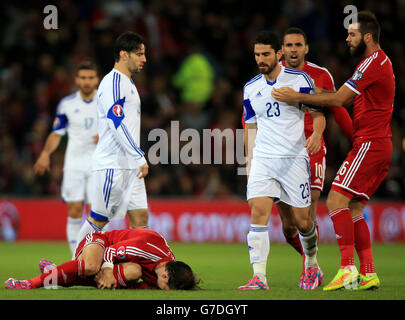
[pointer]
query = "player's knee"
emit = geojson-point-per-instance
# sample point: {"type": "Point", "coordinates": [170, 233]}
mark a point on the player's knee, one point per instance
{"type": "Point", "coordinates": [132, 271]}
{"type": "Point", "coordinates": [289, 230]}
{"type": "Point", "coordinates": [305, 225]}
{"type": "Point", "coordinates": [91, 268]}
{"type": "Point", "coordinates": [139, 218]}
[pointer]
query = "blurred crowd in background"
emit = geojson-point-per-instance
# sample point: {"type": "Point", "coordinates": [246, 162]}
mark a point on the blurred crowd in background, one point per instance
{"type": "Point", "coordinates": [200, 55]}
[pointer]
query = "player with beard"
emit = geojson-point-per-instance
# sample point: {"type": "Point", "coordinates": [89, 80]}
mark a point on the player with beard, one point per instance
{"type": "Point", "coordinates": [76, 116]}
{"type": "Point", "coordinates": [277, 161]}
{"type": "Point", "coordinates": [371, 89]}
{"type": "Point", "coordinates": [119, 165]}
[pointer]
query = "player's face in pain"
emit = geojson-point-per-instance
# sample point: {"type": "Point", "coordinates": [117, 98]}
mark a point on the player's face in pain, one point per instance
{"type": "Point", "coordinates": [355, 41]}
{"type": "Point", "coordinates": [266, 58]}
{"type": "Point", "coordinates": [136, 60]}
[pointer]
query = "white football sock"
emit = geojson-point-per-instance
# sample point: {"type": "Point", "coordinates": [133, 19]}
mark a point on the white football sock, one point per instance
{"type": "Point", "coordinates": [310, 246]}
{"type": "Point", "coordinates": [259, 248]}
{"type": "Point", "coordinates": [72, 230]}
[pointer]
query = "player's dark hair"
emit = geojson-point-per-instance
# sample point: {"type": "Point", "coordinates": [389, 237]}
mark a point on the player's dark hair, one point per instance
{"type": "Point", "coordinates": [368, 23]}
{"type": "Point", "coordinates": [269, 38]}
{"type": "Point", "coordinates": [127, 41]}
{"type": "Point", "coordinates": [86, 65]}
{"type": "Point", "coordinates": [295, 30]}
{"type": "Point", "coordinates": [181, 277]}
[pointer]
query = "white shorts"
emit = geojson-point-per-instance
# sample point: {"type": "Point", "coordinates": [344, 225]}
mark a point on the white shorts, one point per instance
{"type": "Point", "coordinates": [76, 185]}
{"type": "Point", "coordinates": [284, 179]}
{"type": "Point", "coordinates": [116, 191]}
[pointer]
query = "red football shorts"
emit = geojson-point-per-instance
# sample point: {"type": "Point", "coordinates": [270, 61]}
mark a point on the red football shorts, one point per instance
{"type": "Point", "coordinates": [318, 165]}
{"type": "Point", "coordinates": [92, 238]}
{"type": "Point", "coordinates": [364, 168]}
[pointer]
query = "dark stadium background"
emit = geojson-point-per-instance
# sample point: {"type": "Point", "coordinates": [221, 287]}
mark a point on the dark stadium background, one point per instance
{"type": "Point", "coordinates": [37, 69]}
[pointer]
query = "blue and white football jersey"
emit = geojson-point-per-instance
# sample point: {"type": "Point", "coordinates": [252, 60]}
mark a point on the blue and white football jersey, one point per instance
{"type": "Point", "coordinates": [280, 126]}
{"type": "Point", "coordinates": [77, 118]}
{"type": "Point", "coordinates": [119, 124]}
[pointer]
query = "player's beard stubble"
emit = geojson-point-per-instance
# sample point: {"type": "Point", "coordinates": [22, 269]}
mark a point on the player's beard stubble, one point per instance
{"type": "Point", "coordinates": [267, 69]}
{"type": "Point", "coordinates": [358, 51]}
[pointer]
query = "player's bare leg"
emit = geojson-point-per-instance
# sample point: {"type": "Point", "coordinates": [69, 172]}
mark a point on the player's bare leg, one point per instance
{"type": "Point", "coordinates": [308, 235]}
{"type": "Point", "coordinates": [74, 221]}
{"type": "Point", "coordinates": [339, 211]}
{"type": "Point", "coordinates": [92, 255]}
{"type": "Point", "coordinates": [362, 242]}
{"type": "Point", "coordinates": [258, 242]}
{"type": "Point", "coordinates": [138, 218]}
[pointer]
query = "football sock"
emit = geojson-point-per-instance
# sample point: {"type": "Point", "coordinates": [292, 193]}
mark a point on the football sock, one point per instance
{"type": "Point", "coordinates": [295, 242]}
{"type": "Point", "coordinates": [63, 275]}
{"type": "Point", "coordinates": [344, 230]}
{"type": "Point", "coordinates": [362, 243]}
{"type": "Point", "coordinates": [309, 246]}
{"type": "Point", "coordinates": [259, 248]}
{"type": "Point", "coordinates": [72, 230]}
{"type": "Point", "coordinates": [119, 275]}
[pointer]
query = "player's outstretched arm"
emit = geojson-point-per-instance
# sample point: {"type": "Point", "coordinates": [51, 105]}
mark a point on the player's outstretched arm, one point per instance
{"type": "Point", "coordinates": [42, 165]}
{"type": "Point", "coordinates": [343, 97]}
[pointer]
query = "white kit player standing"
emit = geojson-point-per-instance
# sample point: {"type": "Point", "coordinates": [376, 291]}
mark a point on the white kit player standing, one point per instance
{"type": "Point", "coordinates": [278, 165]}
{"type": "Point", "coordinates": [119, 165]}
{"type": "Point", "coordinates": [76, 116]}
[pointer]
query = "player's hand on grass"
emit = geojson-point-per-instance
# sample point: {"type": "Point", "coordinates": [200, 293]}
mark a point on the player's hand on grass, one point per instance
{"type": "Point", "coordinates": [43, 164]}
{"type": "Point", "coordinates": [105, 279]}
{"type": "Point", "coordinates": [143, 171]}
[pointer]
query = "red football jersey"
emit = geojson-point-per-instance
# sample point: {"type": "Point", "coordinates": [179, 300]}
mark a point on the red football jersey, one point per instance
{"type": "Point", "coordinates": [143, 246]}
{"type": "Point", "coordinates": [374, 83]}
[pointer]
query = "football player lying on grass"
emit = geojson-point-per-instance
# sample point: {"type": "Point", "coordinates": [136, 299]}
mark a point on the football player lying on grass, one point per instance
{"type": "Point", "coordinates": [133, 259]}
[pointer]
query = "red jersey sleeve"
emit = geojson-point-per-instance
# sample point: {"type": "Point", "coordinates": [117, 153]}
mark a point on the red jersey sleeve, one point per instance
{"type": "Point", "coordinates": [364, 75]}
{"type": "Point", "coordinates": [340, 114]}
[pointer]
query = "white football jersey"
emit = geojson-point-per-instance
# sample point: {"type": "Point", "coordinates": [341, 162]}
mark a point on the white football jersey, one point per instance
{"type": "Point", "coordinates": [77, 118]}
{"type": "Point", "coordinates": [119, 124]}
{"type": "Point", "coordinates": [280, 126]}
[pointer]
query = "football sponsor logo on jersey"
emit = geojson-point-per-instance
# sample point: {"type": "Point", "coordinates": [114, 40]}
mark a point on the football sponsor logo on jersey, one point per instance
{"type": "Point", "coordinates": [118, 111]}
{"type": "Point", "coordinates": [121, 253]}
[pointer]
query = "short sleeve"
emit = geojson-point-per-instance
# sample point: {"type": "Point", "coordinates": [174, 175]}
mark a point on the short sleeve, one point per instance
{"type": "Point", "coordinates": [364, 76]}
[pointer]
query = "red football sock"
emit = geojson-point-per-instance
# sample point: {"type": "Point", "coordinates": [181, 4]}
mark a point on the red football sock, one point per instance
{"type": "Point", "coordinates": [362, 244]}
{"type": "Point", "coordinates": [63, 275]}
{"type": "Point", "coordinates": [295, 242]}
{"type": "Point", "coordinates": [344, 230]}
{"type": "Point", "coordinates": [118, 272]}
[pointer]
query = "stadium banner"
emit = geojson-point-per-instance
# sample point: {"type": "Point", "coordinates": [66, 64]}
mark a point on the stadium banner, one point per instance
{"type": "Point", "coordinates": [216, 220]}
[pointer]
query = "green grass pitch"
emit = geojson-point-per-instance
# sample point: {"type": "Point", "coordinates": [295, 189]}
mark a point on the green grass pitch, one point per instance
{"type": "Point", "coordinates": [221, 268]}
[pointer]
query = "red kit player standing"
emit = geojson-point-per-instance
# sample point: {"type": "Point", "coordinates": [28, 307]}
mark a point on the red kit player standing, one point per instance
{"type": "Point", "coordinates": [295, 47]}
{"type": "Point", "coordinates": [371, 89]}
